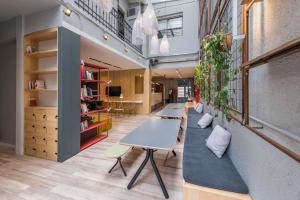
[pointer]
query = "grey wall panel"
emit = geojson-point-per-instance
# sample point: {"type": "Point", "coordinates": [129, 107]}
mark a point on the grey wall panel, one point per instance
{"type": "Point", "coordinates": [8, 92]}
{"type": "Point", "coordinates": [68, 94]}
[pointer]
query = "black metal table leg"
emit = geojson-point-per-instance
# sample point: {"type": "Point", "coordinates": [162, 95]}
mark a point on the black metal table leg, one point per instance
{"type": "Point", "coordinates": [162, 185]}
{"type": "Point", "coordinates": [119, 160]}
{"type": "Point", "coordinates": [113, 166]}
{"type": "Point", "coordinates": [139, 170]}
{"type": "Point", "coordinates": [174, 153]}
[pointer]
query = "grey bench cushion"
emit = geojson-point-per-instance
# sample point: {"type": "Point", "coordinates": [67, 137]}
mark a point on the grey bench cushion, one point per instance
{"type": "Point", "coordinates": [192, 111]}
{"type": "Point", "coordinates": [202, 167]}
{"type": "Point", "coordinates": [193, 118]}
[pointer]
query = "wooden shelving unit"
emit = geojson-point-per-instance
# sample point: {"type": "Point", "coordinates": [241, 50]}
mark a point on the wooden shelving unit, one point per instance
{"type": "Point", "coordinates": [101, 119]}
{"type": "Point", "coordinates": [43, 54]}
{"type": "Point", "coordinates": [41, 111]}
{"type": "Point", "coordinates": [51, 113]}
{"type": "Point", "coordinates": [44, 71]}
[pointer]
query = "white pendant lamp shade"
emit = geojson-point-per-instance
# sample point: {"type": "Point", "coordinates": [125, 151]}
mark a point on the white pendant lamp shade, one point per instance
{"type": "Point", "coordinates": [106, 5]}
{"type": "Point", "coordinates": [165, 45]}
{"type": "Point", "coordinates": [154, 45]}
{"type": "Point", "coordinates": [150, 23]}
{"type": "Point", "coordinates": [138, 36]}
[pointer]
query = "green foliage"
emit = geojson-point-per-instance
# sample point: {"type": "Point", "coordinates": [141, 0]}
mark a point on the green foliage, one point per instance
{"type": "Point", "coordinates": [217, 57]}
{"type": "Point", "coordinates": [199, 79]}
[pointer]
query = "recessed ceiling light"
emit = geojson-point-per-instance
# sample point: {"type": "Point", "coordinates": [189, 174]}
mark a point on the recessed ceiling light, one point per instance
{"type": "Point", "coordinates": [105, 36]}
{"type": "Point", "coordinates": [67, 12]}
{"type": "Point", "coordinates": [126, 49]}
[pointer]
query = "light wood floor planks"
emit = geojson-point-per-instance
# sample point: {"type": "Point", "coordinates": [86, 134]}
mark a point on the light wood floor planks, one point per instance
{"type": "Point", "coordinates": [85, 176]}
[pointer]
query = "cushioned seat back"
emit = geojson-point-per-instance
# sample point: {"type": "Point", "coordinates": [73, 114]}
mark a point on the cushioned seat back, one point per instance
{"type": "Point", "coordinates": [202, 167]}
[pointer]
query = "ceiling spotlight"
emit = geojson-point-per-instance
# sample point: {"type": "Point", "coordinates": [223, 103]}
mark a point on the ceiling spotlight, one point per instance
{"type": "Point", "coordinates": [105, 36]}
{"type": "Point", "coordinates": [67, 12]}
{"type": "Point", "coordinates": [126, 49]}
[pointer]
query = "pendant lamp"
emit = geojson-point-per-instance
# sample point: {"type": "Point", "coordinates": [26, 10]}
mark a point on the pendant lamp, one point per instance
{"type": "Point", "coordinates": [106, 5]}
{"type": "Point", "coordinates": [154, 48]}
{"type": "Point", "coordinates": [165, 45]}
{"type": "Point", "coordinates": [150, 23]}
{"type": "Point", "coordinates": [138, 36]}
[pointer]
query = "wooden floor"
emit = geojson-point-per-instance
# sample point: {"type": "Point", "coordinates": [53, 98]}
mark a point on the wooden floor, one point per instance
{"type": "Point", "coordinates": [85, 175]}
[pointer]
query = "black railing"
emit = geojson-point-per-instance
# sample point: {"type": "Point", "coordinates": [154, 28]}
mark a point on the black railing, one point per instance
{"type": "Point", "coordinates": [113, 21]}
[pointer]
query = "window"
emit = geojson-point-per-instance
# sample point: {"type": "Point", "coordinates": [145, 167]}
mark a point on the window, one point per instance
{"type": "Point", "coordinates": [228, 25]}
{"type": "Point", "coordinates": [170, 25]}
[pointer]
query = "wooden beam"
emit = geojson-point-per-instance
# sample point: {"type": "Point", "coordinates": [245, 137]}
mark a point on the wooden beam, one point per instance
{"type": "Point", "coordinates": [282, 148]}
{"type": "Point", "coordinates": [290, 47]}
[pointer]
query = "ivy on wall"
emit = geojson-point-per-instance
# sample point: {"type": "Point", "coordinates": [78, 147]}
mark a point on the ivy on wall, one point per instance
{"type": "Point", "coordinates": [216, 59]}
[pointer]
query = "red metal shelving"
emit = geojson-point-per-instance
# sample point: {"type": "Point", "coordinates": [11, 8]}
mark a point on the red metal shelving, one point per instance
{"type": "Point", "coordinates": [92, 96]}
{"type": "Point", "coordinates": [92, 81]}
{"type": "Point", "coordinates": [92, 141]}
{"type": "Point", "coordinates": [85, 143]}
{"type": "Point", "coordinates": [94, 111]}
{"type": "Point", "coordinates": [95, 125]}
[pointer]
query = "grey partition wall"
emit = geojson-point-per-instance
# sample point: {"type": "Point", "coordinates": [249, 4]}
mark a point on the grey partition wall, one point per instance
{"type": "Point", "coordinates": [68, 94]}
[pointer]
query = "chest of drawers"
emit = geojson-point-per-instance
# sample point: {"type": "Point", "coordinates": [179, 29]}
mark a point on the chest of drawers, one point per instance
{"type": "Point", "coordinates": [41, 132]}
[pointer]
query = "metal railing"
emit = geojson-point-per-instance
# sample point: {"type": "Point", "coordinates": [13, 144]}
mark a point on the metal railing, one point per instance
{"type": "Point", "coordinates": [113, 21]}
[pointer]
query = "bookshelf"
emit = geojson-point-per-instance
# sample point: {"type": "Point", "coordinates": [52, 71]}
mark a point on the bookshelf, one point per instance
{"type": "Point", "coordinates": [95, 115]}
{"type": "Point", "coordinates": [41, 113]}
{"type": "Point", "coordinates": [51, 84]}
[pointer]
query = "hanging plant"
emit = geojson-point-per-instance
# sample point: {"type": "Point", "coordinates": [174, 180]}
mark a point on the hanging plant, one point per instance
{"type": "Point", "coordinates": [201, 79]}
{"type": "Point", "coordinates": [217, 56]}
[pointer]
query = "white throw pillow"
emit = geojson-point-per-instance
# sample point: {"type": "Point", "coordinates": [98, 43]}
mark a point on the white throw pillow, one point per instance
{"type": "Point", "coordinates": [199, 108]}
{"type": "Point", "coordinates": [205, 120]}
{"type": "Point", "coordinates": [218, 141]}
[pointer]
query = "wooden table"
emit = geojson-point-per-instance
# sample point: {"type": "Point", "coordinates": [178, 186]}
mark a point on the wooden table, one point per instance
{"type": "Point", "coordinates": [154, 134]}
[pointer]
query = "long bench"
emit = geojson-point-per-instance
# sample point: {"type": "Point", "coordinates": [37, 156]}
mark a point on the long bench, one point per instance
{"type": "Point", "coordinates": [207, 177]}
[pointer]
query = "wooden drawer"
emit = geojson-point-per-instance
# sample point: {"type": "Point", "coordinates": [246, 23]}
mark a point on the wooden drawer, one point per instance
{"type": "Point", "coordinates": [51, 127]}
{"type": "Point", "coordinates": [52, 155]}
{"type": "Point", "coordinates": [30, 127]}
{"type": "Point", "coordinates": [46, 115]}
{"type": "Point", "coordinates": [41, 152]}
{"type": "Point", "coordinates": [41, 129]}
{"type": "Point", "coordinates": [52, 145]}
{"type": "Point", "coordinates": [29, 115]}
{"type": "Point", "coordinates": [51, 116]}
{"type": "Point", "coordinates": [41, 140]}
{"type": "Point", "coordinates": [30, 150]}
{"type": "Point", "coordinates": [30, 139]}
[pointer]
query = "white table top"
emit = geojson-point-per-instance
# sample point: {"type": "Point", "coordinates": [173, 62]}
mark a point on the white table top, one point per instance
{"type": "Point", "coordinates": [155, 133]}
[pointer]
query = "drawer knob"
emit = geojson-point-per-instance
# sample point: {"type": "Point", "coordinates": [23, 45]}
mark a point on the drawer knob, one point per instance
{"type": "Point", "coordinates": [55, 153]}
{"type": "Point", "coordinates": [56, 116]}
{"type": "Point", "coordinates": [55, 141]}
{"type": "Point", "coordinates": [33, 114]}
{"type": "Point", "coordinates": [33, 126]}
{"type": "Point", "coordinates": [33, 137]}
{"type": "Point", "coordinates": [56, 129]}
{"type": "Point", "coordinates": [34, 149]}
{"type": "Point", "coordinates": [44, 127]}
{"type": "Point", "coordinates": [44, 139]}
{"type": "Point", "coordinates": [44, 116]}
